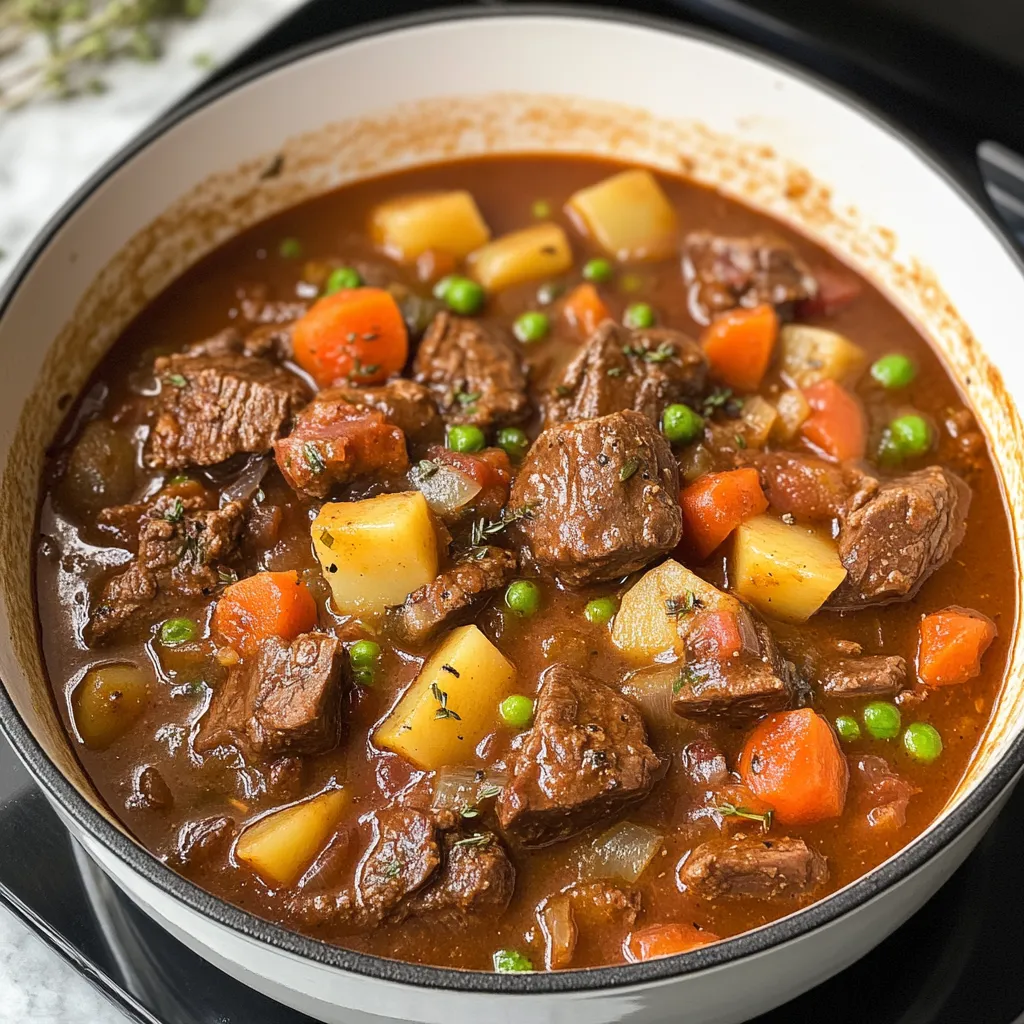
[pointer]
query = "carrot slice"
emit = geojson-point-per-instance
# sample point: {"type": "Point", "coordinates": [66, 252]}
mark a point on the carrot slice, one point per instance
{"type": "Point", "coordinates": [952, 644]}
{"type": "Point", "coordinates": [665, 940]}
{"type": "Point", "coordinates": [792, 760]}
{"type": "Point", "coordinates": [716, 503]}
{"type": "Point", "coordinates": [355, 336]}
{"type": "Point", "coordinates": [584, 309]}
{"type": "Point", "coordinates": [836, 425]}
{"type": "Point", "coordinates": [715, 635]}
{"type": "Point", "coordinates": [739, 346]}
{"type": "Point", "coordinates": [267, 604]}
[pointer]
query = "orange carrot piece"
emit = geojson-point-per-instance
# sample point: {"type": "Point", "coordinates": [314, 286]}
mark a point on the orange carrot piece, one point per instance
{"type": "Point", "coordinates": [739, 346]}
{"type": "Point", "coordinates": [952, 644]}
{"type": "Point", "coordinates": [665, 940]}
{"type": "Point", "coordinates": [584, 309]}
{"type": "Point", "coordinates": [836, 425]}
{"type": "Point", "coordinates": [355, 336]}
{"type": "Point", "coordinates": [715, 635]}
{"type": "Point", "coordinates": [267, 604]}
{"type": "Point", "coordinates": [716, 503]}
{"type": "Point", "coordinates": [793, 762]}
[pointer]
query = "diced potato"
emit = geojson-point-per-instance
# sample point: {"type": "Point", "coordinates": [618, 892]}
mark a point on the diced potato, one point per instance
{"type": "Point", "coordinates": [648, 623]}
{"type": "Point", "coordinates": [793, 409]}
{"type": "Point", "coordinates": [628, 215]}
{"type": "Point", "coordinates": [786, 571]}
{"type": "Point", "coordinates": [281, 846]}
{"type": "Point", "coordinates": [758, 419]}
{"type": "Point", "coordinates": [374, 553]}
{"type": "Point", "coordinates": [108, 701]}
{"type": "Point", "coordinates": [447, 222]}
{"type": "Point", "coordinates": [452, 705]}
{"type": "Point", "coordinates": [541, 251]}
{"type": "Point", "coordinates": [811, 354]}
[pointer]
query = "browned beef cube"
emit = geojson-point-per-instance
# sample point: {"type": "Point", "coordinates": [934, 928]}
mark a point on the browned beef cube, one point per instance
{"type": "Point", "coordinates": [474, 371]}
{"type": "Point", "coordinates": [619, 369]}
{"type": "Point", "coordinates": [744, 684]}
{"type": "Point", "coordinates": [803, 485]}
{"type": "Point", "coordinates": [753, 868]}
{"type": "Point", "coordinates": [271, 339]}
{"type": "Point", "coordinates": [894, 534]}
{"type": "Point", "coordinates": [602, 497]}
{"type": "Point", "coordinates": [285, 699]}
{"type": "Point", "coordinates": [871, 676]}
{"type": "Point", "coordinates": [212, 407]}
{"type": "Point", "coordinates": [585, 757]}
{"type": "Point", "coordinates": [455, 594]}
{"type": "Point", "coordinates": [722, 273]}
{"type": "Point", "coordinates": [335, 442]}
{"type": "Point", "coordinates": [406, 404]}
{"type": "Point", "coordinates": [201, 842]}
{"type": "Point", "coordinates": [180, 544]}
{"type": "Point", "coordinates": [879, 792]}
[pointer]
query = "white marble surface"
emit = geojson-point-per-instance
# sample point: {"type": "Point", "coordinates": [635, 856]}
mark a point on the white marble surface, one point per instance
{"type": "Point", "coordinates": [46, 150]}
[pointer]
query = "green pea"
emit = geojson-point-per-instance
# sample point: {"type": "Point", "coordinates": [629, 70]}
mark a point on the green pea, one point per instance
{"type": "Point", "coordinates": [460, 294]}
{"type": "Point", "coordinates": [523, 598]}
{"type": "Point", "coordinates": [541, 209]}
{"type": "Point", "coordinates": [882, 720]}
{"type": "Point", "coordinates": [894, 371]}
{"type": "Point", "coordinates": [680, 424]}
{"type": "Point", "coordinates": [639, 316]}
{"type": "Point", "coordinates": [922, 742]}
{"type": "Point", "coordinates": [364, 653]}
{"type": "Point", "coordinates": [531, 326]}
{"type": "Point", "coordinates": [516, 711]}
{"type": "Point", "coordinates": [177, 631]}
{"type": "Point", "coordinates": [904, 438]}
{"type": "Point", "coordinates": [598, 270]}
{"type": "Point", "coordinates": [342, 278]}
{"type": "Point", "coordinates": [290, 249]}
{"type": "Point", "coordinates": [511, 961]}
{"type": "Point", "coordinates": [514, 441]}
{"type": "Point", "coordinates": [548, 292]}
{"type": "Point", "coordinates": [847, 727]}
{"type": "Point", "coordinates": [601, 610]}
{"type": "Point", "coordinates": [464, 437]}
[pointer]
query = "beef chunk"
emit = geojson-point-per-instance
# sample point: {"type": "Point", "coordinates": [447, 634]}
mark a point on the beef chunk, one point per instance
{"type": "Point", "coordinates": [200, 842]}
{"type": "Point", "coordinates": [602, 497]}
{"type": "Point", "coordinates": [872, 676]}
{"type": "Point", "coordinates": [180, 543]}
{"type": "Point", "coordinates": [212, 407]}
{"type": "Point", "coordinates": [803, 485]}
{"type": "Point", "coordinates": [584, 758]}
{"type": "Point", "coordinates": [723, 273]}
{"type": "Point", "coordinates": [406, 404]}
{"type": "Point", "coordinates": [335, 442]}
{"type": "Point", "coordinates": [270, 339]}
{"type": "Point", "coordinates": [474, 371]}
{"type": "Point", "coordinates": [739, 685]}
{"type": "Point", "coordinates": [894, 534]}
{"type": "Point", "coordinates": [455, 594]}
{"type": "Point", "coordinates": [285, 699]}
{"type": "Point", "coordinates": [256, 308]}
{"type": "Point", "coordinates": [879, 793]}
{"type": "Point", "coordinates": [619, 369]}
{"type": "Point", "coordinates": [753, 867]}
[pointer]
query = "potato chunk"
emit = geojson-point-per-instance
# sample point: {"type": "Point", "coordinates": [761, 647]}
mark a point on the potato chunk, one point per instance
{"type": "Point", "coordinates": [785, 571]}
{"type": "Point", "coordinates": [374, 553]}
{"type": "Point", "coordinates": [448, 222]}
{"type": "Point", "coordinates": [452, 705]}
{"type": "Point", "coordinates": [281, 845]}
{"type": "Point", "coordinates": [812, 354]}
{"type": "Point", "coordinates": [541, 251]}
{"type": "Point", "coordinates": [108, 701]}
{"type": "Point", "coordinates": [628, 215]}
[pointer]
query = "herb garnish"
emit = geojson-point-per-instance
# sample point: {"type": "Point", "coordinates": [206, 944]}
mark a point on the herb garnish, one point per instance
{"type": "Point", "coordinates": [615, 371]}
{"type": "Point", "coordinates": [225, 576]}
{"type": "Point", "coordinates": [176, 379]}
{"type": "Point", "coordinates": [176, 512]}
{"type": "Point", "coordinates": [488, 528]}
{"type": "Point", "coordinates": [488, 791]}
{"type": "Point", "coordinates": [476, 839]}
{"type": "Point", "coordinates": [728, 810]}
{"type": "Point", "coordinates": [628, 469]}
{"type": "Point", "coordinates": [313, 458]}
{"type": "Point", "coordinates": [443, 710]}
{"type": "Point", "coordinates": [721, 398]}
{"type": "Point", "coordinates": [662, 354]}
{"type": "Point", "coordinates": [393, 869]}
{"type": "Point", "coordinates": [741, 441]}
{"type": "Point", "coordinates": [676, 606]}
{"type": "Point", "coordinates": [467, 398]}
{"type": "Point", "coordinates": [427, 468]}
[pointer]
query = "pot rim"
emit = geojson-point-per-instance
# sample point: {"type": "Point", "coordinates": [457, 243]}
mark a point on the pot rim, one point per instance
{"type": "Point", "coordinates": [818, 914]}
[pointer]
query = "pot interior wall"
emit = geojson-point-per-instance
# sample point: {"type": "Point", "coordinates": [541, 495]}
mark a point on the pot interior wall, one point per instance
{"type": "Point", "coordinates": [773, 142]}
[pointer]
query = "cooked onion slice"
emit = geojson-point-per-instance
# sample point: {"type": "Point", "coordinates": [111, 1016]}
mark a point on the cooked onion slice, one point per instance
{"type": "Point", "coordinates": [621, 852]}
{"type": "Point", "coordinates": [462, 786]}
{"type": "Point", "coordinates": [652, 689]}
{"type": "Point", "coordinates": [446, 489]}
{"type": "Point", "coordinates": [556, 922]}
{"type": "Point", "coordinates": [248, 481]}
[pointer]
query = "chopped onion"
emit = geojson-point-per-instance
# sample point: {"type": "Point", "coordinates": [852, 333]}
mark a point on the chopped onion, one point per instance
{"type": "Point", "coordinates": [248, 481]}
{"type": "Point", "coordinates": [695, 461]}
{"type": "Point", "coordinates": [759, 417]}
{"type": "Point", "coordinates": [652, 689]}
{"type": "Point", "coordinates": [446, 489]}
{"type": "Point", "coordinates": [462, 786]}
{"type": "Point", "coordinates": [556, 922]}
{"type": "Point", "coordinates": [621, 852]}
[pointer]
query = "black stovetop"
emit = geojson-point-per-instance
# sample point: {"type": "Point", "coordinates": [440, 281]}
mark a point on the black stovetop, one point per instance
{"type": "Point", "coordinates": [958, 959]}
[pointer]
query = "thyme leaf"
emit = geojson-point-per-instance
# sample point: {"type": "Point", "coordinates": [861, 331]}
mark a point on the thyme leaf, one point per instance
{"type": "Point", "coordinates": [728, 810]}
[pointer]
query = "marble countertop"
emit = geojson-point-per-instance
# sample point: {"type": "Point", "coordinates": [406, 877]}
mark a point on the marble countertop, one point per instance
{"type": "Point", "coordinates": [46, 150]}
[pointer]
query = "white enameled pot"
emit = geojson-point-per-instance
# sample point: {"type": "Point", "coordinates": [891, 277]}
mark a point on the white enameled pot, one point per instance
{"type": "Point", "coordinates": [522, 80]}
